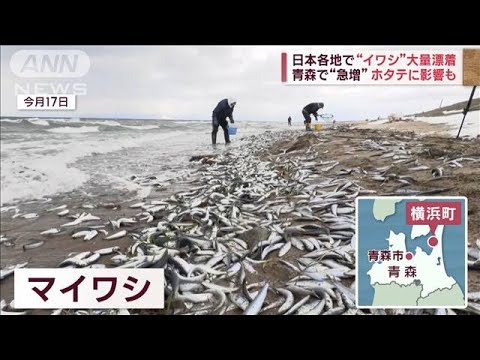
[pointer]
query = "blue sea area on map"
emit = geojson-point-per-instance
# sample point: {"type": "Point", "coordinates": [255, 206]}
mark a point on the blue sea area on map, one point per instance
{"type": "Point", "coordinates": [373, 234]}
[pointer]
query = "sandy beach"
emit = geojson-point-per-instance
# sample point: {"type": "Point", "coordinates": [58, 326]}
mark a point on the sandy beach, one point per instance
{"type": "Point", "coordinates": [345, 146]}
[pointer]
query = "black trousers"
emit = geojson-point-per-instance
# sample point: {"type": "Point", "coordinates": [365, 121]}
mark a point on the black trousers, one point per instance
{"type": "Point", "coordinates": [307, 117]}
{"type": "Point", "coordinates": [224, 124]}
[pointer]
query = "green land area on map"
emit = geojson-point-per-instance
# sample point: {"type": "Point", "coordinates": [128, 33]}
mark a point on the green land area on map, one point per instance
{"type": "Point", "coordinates": [394, 294]}
{"type": "Point", "coordinates": [382, 208]}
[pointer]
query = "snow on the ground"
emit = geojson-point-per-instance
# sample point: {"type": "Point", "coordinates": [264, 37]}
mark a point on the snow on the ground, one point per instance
{"type": "Point", "coordinates": [448, 112]}
{"type": "Point", "coordinates": [471, 126]}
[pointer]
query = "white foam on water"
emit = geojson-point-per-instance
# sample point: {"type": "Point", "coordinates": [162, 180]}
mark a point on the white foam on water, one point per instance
{"type": "Point", "coordinates": [140, 127]}
{"type": "Point", "coordinates": [102, 122]}
{"type": "Point", "coordinates": [45, 176]}
{"type": "Point", "coordinates": [123, 184]}
{"type": "Point", "coordinates": [74, 130]}
{"type": "Point", "coordinates": [33, 169]}
{"type": "Point", "coordinates": [77, 121]}
{"type": "Point", "coordinates": [16, 121]}
{"type": "Point", "coordinates": [41, 122]}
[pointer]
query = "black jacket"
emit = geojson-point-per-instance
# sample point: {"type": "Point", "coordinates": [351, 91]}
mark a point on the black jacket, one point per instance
{"type": "Point", "coordinates": [312, 108]}
{"type": "Point", "coordinates": [223, 110]}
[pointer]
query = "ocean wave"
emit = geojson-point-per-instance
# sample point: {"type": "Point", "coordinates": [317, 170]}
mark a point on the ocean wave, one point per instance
{"type": "Point", "coordinates": [190, 121]}
{"type": "Point", "coordinates": [103, 123]}
{"type": "Point", "coordinates": [76, 121]}
{"type": "Point", "coordinates": [13, 121]}
{"type": "Point", "coordinates": [37, 121]}
{"type": "Point", "coordinates": [74, 130]}
{"type": "Point", "coordinates": [140, 127]}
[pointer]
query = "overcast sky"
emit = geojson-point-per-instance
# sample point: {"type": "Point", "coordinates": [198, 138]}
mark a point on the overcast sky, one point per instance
{"type": "Point", "coordinates": [186, 82]}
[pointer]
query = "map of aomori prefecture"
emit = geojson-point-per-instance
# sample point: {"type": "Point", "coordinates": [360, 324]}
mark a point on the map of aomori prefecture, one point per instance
{"type": "Point", "coordinates": [411, 252]}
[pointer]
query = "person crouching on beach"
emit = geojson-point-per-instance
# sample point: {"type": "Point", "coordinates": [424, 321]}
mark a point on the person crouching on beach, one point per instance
{"type": "Point", "coordinates": [311, 109]}
{"type": "Point", "coordinates": [222, 111]}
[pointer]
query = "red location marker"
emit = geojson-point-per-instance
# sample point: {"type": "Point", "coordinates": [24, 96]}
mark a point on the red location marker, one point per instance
{"type": "Point", "coordinates": [433, 227]}
{"type": "Point", "coordinates": [433, 241]}
{"type": "Point", "coordinates": [409, 256]}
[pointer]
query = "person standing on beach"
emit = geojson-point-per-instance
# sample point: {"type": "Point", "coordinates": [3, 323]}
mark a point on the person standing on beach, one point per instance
{"type": "Point", "coordinates": [308, 110]}
{"type": "Point", "coordinates": [289, 121]}
{"type": "Point", "coordinates": [222, 111]}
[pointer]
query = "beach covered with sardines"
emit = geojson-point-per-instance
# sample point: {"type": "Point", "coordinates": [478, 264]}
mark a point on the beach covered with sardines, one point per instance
{"type": "Point", "coordinates": [265, 226]}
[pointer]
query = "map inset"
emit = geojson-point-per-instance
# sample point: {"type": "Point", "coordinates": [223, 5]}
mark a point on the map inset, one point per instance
{"type": "Point", "coordinates": [411, 252]}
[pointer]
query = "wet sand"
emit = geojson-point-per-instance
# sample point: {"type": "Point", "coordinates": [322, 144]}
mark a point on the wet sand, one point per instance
{"type": "Point", "coordinates": [57, 247]}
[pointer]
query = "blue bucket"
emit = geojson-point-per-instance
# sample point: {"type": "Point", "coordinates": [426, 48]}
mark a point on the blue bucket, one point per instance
{"type": "Point", "coordinates": [232, 130]}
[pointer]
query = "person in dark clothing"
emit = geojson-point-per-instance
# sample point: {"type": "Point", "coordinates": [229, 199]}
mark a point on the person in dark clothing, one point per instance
{"type": "Point", "coordinates": [289, 121]}
{"type": "Point", "coordinates": [222, 111]}
{"type": "Point", "coordinates": [308, 110]}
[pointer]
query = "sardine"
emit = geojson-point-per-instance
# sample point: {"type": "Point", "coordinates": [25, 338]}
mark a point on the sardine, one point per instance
{"type": "Point", "coordinates": [257, 303]}
{"type": "Point", "coordinates": [117, 235]}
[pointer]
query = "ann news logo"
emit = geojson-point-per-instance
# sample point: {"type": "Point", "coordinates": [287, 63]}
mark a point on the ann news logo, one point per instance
{"type": "Point", "coordinates": [49, 73]}
{"type": "Point", "coordinates": [50, 63]}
